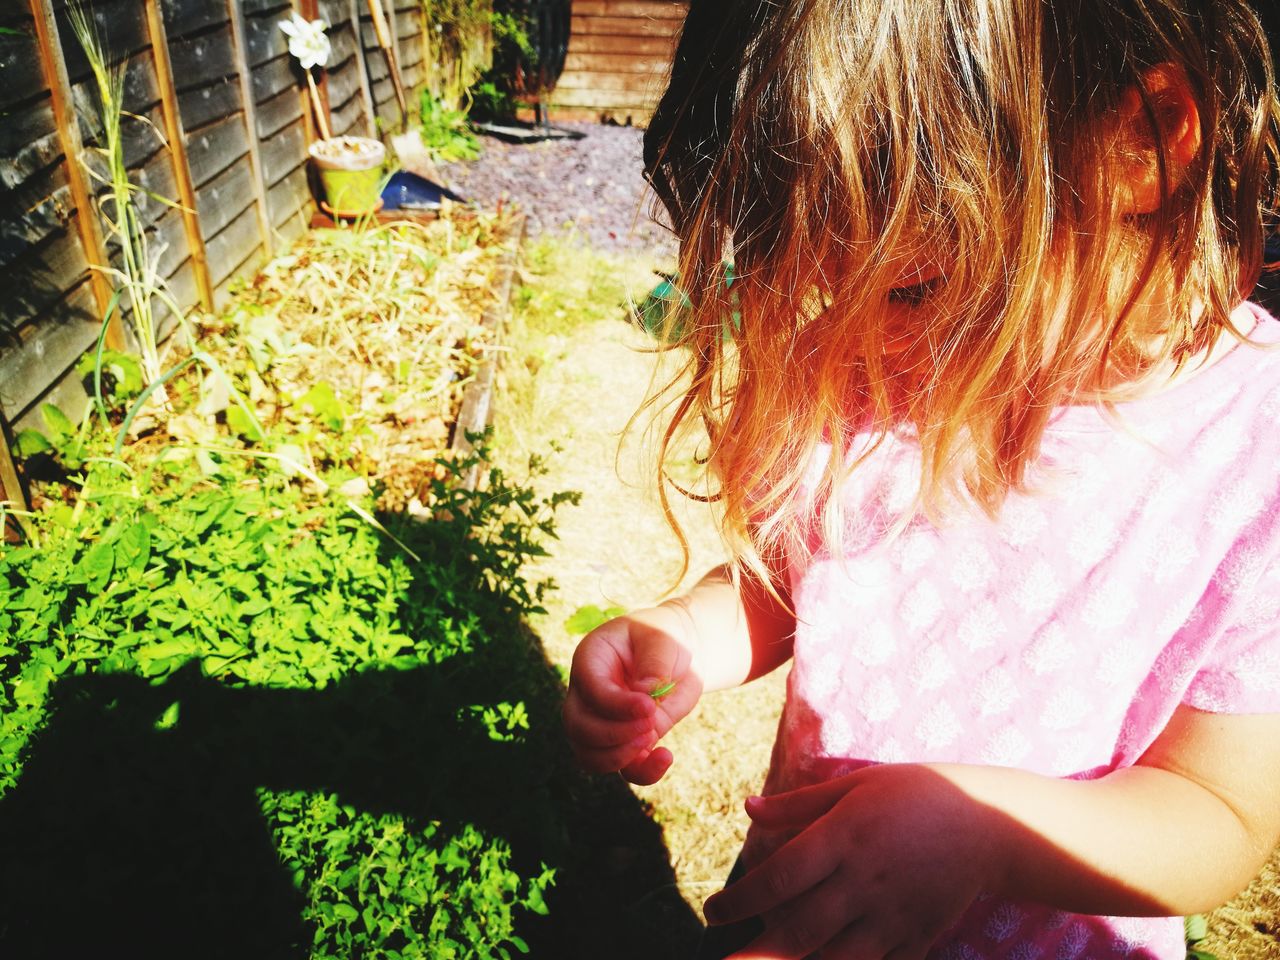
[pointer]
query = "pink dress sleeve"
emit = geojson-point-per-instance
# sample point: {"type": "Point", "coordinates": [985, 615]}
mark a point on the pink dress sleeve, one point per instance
{"type": "Point", "coordinates": [1240, 671]}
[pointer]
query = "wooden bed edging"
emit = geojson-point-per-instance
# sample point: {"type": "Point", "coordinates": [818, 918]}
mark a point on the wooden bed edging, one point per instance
{"type": "Point", "coordinates": [477, 397]}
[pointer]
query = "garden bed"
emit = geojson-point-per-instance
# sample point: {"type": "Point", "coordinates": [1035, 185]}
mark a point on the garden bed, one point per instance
{"type": "Point", "coordinates": [248, 703]}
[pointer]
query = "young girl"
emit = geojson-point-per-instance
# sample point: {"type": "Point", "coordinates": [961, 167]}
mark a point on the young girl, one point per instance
{"type": "Point", "coordinates": [999, 473]}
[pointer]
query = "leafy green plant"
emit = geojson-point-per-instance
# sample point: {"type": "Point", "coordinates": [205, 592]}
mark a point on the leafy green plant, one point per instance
{"type": "Point", "coordinates": [460, 40]}
{"type": "Point", "coordinates": [444, 132]}
{"type": "Point", "coordinates": [214, 591]}
{"type": "Point", "coordinates": [489, 101]}
{"type": "Point", "coordinates": [493, 96]}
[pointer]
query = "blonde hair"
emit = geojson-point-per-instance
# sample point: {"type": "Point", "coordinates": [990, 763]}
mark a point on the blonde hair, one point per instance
{"type": "Point", "coordinates": [812, 142]}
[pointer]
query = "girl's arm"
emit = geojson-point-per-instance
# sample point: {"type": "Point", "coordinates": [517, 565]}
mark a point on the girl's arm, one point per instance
{"type": "Point", "coordinates": [889, 857]}
{"type": "Point", "coordinates": [735, 634]}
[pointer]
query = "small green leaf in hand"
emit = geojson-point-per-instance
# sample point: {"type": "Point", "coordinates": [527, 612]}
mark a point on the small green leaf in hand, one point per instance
{"type": "Point", "coordinates": [662, 689]}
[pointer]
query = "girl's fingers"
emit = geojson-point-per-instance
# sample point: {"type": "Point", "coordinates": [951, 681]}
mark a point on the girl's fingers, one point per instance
{"type": "Point", "coordinates": [792, 871]}
{"type": "Point", "coordinates": [598, 676]}
{"type": "Point", "coordinates": [797, 808]}
{"type": "Point", "coordinates": [594, 732]}
{"type": "Point", "coordinates": [649, 769]}
{"type": "Point", "coordinates": [620, 758]}
{"type": "Point", "coordinates": [815, 923]}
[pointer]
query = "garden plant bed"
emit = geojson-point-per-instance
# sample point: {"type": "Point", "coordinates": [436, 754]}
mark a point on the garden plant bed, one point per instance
{"type": "Point", "coordinates": [244, 693]}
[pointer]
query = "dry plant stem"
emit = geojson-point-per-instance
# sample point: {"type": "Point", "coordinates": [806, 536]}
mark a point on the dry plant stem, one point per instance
{"type": "Point", "coordinates": [321, 121]}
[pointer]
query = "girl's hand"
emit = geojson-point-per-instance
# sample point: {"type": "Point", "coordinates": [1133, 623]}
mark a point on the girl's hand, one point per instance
{"type": "Point", "coordinates": [630, 683]}
{"type": "Point", "coordinates": [885, 860]}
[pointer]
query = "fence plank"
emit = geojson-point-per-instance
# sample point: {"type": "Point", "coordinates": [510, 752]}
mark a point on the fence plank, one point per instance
{"type": "Point", "coordinates": [289, 196]}
{"type": "Point", "coordinates": [366, 95]}
{"type": "Point", "coordinates": [29, 138]}
{"type": "Point", "coordinates": [198, 61]}
{"type": "Point", "coordinates": [32, 212]}
{"type": "Point", "coordinates": [646, 9]}
{"type": "Point", "coordinates": [276, 113]}
{"type": "Point", "coordinates": [215, 148]}
{"type": "Point", "coordinates": [222, 200]}
{"type": "Point", "coordinates": [38, 279]}
{"type": "Point", "coordinates": [209, 103]}
{"type": "Point", "coordinates": [233, 246]}
{"type": "Point", "coordinates": [51, 346]}
{"type": "Point", "coordinates": [19, 67]}
{"type": "Point", "coordinates": [250, 107]}
{"type": "Point", "coordinates": [182, 17]}
{"type": "Point", "coordinates": [283, 153]}
{"type": "Point", "coordinates": [178, 146]}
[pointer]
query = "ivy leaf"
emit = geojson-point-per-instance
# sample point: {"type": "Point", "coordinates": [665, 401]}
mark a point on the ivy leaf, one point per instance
{"type": "Point", "coordinates": [133, 549]}
{"type": "Point", "coordinates": [169, 719]}
{"type": "Point", "coordinates": [345, 911]}
{"type": "Point", "coordinates": [1196, 927]}
{"type": "Point", "coordinates": [30, 442]}
{"type": "Point", "coordinates": [240, 423]}
{"type": "Point", "coordinates": [96, 566]}
{"type": "Point", "coordinates": [61, 429]}
{"type": "Point", "coordinates": [585, 619]}
{"type": "Point", "coordinates": [324, 404]}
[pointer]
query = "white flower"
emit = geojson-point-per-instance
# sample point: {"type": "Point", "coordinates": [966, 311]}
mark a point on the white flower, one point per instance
{"type": "Point", "coordinates": [307, 41]}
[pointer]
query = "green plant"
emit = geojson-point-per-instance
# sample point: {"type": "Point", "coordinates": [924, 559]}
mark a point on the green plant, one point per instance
{"type": "Point", "coordinates": [491, 102]}
{"type": "Point", "coordinates": [493, 96]}
{"type": "Point", "coordinates": [137, 275]}
{"type": "Point", "coordinates": [444, 132]}
{"type": "Point", "coordinates": [460, 39]}
{"type": "Point", "coordinates": [228, 598]}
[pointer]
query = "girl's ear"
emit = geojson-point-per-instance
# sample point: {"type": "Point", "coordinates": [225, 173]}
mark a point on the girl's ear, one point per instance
{"type": "Point", "coordinates": [1136, 164]}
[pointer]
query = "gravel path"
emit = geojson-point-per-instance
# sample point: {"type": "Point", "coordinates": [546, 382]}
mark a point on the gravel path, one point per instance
{"type": "Point", "coordinates": [594, 186]}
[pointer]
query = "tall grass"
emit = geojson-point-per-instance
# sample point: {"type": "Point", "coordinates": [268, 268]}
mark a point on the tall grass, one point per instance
{"type": "Point", "coordinates": [137, 273]}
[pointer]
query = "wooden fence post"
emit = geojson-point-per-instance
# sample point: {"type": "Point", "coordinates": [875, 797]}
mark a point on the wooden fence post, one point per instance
{"type": "Point", "coordinates": [366, 92]}
{"type": "Point", "coordinates": [64, 115]}
{"type": "Point", "coordinates": [178, 151]}
{"type": "Point", "coordinates": [311, 11]}
{"type": "Point", "coordinates": [240, 52]}
{"type": "Point", "coordinates": [10, 485]}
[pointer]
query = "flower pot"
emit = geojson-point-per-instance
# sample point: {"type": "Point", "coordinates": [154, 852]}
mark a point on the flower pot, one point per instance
{"type": "Point", "coordinates": [351, 173]}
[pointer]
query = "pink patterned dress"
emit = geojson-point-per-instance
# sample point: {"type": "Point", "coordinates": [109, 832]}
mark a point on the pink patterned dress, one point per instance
{"type": "Point", "coordinates": [1142, 573]}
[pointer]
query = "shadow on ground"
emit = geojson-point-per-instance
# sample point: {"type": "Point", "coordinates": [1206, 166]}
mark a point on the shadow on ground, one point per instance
{"type": "Point", "coordinates": [125, 839]}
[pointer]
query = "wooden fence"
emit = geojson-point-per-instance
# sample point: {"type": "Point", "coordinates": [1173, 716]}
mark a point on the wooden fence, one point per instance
{"type": "Point", "coordinates": [215, 77]}
{"type": "Point", "coordinates": [619, 59]}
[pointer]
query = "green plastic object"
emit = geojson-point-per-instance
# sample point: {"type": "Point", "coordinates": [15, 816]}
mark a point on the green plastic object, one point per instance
{"type": "Point", "coordinates": [352, 191]}
{"type": "Point", "coordinates": [667, 300]}
{"type": "Point", "coordinates": [351, 173]}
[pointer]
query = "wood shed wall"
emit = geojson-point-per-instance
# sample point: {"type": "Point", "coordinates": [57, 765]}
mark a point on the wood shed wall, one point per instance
{"type": "Point", "coordinates": [225, 81]}
{"type": "Point", "coordinates": [619, 59]}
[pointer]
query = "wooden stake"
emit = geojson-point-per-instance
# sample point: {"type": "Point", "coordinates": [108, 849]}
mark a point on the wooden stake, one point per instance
{"type": "Point", "coordinates": [240, 52]}
{"type": "Point", "coordinates": [319, 90]}
{"type": "Point", "coordinates": [321, 119]}
{"type": "Point", "coordinates": [178, 151]}
{"type": "Point", "coordinates": [387, 43]}
{"type": "Point", "coordinates": [87, 222]}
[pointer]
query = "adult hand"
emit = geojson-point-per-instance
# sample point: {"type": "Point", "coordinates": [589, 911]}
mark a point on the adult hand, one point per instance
{"type": "Point", "coordinates": [883, 862]}
{"type": "Point", "coordinates": [611, 716]}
